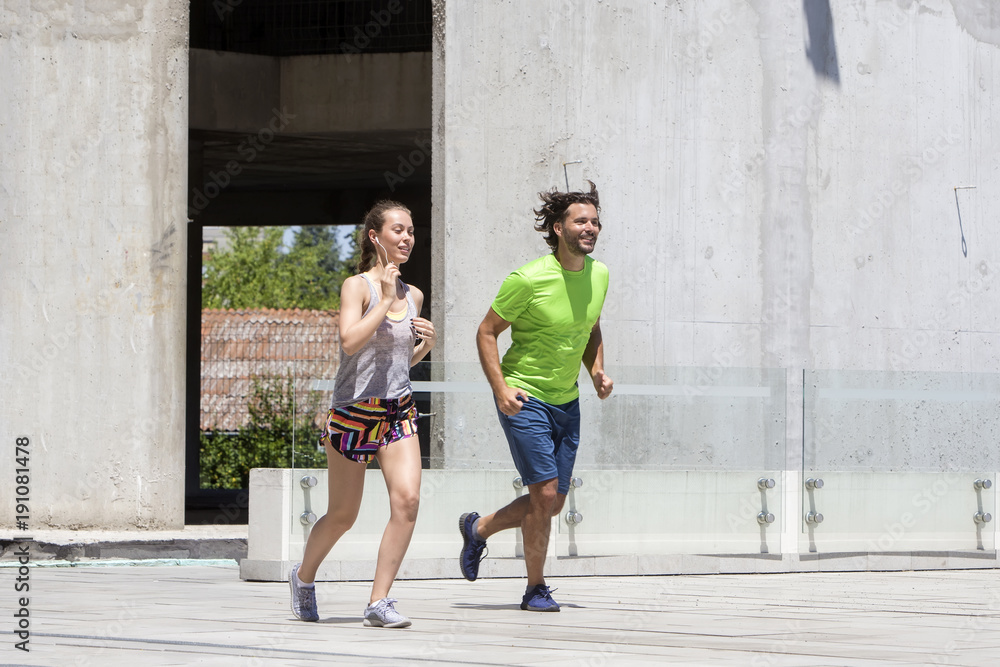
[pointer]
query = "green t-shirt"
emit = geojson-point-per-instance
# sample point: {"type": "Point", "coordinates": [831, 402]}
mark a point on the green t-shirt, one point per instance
{"type": "Point", "coordinates": [552, 312]}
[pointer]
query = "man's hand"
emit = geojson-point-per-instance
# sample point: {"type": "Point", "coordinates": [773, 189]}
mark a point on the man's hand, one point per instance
{"type": "Point", "coordinates": [510, 398]}
{"type": "Point", "coordinates": [603, 384]}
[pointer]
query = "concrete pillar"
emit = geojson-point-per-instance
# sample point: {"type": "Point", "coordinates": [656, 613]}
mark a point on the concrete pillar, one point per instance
{"type": "Point", "coordinates": [92, 260]}
{"type": "Point", "coordinates": [439, 404]}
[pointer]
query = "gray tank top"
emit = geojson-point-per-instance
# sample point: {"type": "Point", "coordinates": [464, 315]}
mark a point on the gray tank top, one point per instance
{"type": "Point", "coordinates": [381, 368]}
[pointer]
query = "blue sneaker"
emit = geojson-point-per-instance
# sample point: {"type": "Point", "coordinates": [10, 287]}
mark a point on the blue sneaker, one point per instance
{"type": "Point", "coordinates": [539, 598]}
{"type": "Point", "coordinates": [472, 548]}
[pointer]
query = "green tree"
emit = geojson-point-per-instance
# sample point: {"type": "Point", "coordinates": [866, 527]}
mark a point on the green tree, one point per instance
{"type": "Point", "coordinates": [265, 441]}
{"type": "Point", "coordinates": [256, 271]}
{"type": "Point", "coordinates": [323, 240]}
{"type": "Point", "coordinates": [350, 265]}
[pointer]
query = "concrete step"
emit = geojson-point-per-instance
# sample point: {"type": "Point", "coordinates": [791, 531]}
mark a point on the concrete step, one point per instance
{"type": "Point", "coordinates": [211, 542]}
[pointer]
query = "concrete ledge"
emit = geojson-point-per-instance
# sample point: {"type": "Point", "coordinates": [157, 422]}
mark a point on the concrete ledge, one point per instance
{"type": "Point", "coordinates": [646, 565]}
{"type": "Point", "coordinates": [195, 542]}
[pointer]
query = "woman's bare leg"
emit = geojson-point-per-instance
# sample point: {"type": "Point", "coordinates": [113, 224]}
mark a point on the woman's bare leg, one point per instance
{"type": "Point", "coordinates": [346, 483]}
{"type": "Point", "coordinates": [400, 463]}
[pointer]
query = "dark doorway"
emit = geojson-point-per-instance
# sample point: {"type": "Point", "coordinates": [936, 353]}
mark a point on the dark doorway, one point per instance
{"type": "Point", "coordinates": [251, 63]}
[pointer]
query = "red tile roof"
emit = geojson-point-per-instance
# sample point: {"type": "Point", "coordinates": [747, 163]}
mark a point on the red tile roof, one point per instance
{"type": "Point", "coordinates": [238, 345]}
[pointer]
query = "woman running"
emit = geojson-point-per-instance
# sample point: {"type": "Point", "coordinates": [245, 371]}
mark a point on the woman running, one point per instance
{"type": "Point", "coordinates": [372, 414]}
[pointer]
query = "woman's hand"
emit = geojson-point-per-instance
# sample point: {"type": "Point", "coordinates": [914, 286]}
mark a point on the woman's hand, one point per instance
{"type": "Point", "coordinates": [425, 331]}
{"type": "Point", "coordinates": [390, 281]}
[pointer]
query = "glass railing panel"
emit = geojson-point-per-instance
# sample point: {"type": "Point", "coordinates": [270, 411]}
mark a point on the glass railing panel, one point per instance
{"type": "Point", "coordinates": [680, 459]}
{"type": "Point", "coordinates": [677, 460]}
{"type": "Point", "coordinates": [899, 461]}
{"type": "Point", "coordinates": [682, 418]}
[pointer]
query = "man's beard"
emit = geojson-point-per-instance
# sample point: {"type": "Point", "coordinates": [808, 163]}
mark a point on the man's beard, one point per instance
{"type": "Point", "coordinates": [575, 247]}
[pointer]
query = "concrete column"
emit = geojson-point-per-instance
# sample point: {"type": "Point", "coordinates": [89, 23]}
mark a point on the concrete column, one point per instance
{"type": "Point", "coordinates": [92, 259]}
{"type": "Point", "coordinates": [439, 187]}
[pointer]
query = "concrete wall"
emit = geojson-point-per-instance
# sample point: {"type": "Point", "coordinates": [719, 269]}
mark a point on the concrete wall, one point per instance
{"type": "Point", "coordinates": [777, 182]}
{"type": "Point", "coordinates": [92, 260]}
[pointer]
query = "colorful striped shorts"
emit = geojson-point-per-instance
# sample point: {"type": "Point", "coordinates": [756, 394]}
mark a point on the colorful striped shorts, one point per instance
{"type": "Point", "coordinates": [359, 429]}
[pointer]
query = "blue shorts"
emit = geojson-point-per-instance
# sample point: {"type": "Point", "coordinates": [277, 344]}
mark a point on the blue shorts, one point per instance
{"type": "Point", "coordinates": [543, 439]}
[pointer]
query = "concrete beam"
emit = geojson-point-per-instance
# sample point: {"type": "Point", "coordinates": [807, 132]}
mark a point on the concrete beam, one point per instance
{"type": "Point", "coordinates": [233, 91]}
{"type": "Point", "coordinates": [237, 92]}
{"type": "Point", "coordinates": [342, 93]}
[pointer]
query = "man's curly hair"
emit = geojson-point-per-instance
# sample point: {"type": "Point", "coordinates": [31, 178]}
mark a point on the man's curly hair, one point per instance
{"type": "Point", "coordinates": [554, 207]}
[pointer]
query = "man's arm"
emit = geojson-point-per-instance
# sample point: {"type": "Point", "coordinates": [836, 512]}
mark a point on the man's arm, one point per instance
{"type": "Point", "coordinates": [593, 361]}
{"type": "Point", "coordinates": [489, 357]}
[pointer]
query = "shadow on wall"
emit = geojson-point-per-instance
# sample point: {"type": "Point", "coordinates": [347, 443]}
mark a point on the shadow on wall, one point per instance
{"type": "Point", "coordinates": [822, 47]}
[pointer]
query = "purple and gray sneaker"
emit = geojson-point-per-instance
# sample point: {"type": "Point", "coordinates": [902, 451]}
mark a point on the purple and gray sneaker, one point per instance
{"type": "Point", "coordinates": [472, 547]}
{"type": "Point", "coordinates": [539, 598]}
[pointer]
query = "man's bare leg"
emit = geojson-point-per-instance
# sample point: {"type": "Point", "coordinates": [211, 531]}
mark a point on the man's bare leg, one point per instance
{"type": "Point", "coordinates": [532, 513]}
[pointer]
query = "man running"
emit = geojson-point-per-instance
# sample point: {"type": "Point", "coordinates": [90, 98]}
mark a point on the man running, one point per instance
{"type": "Point", "coordinates": [553, 307]}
